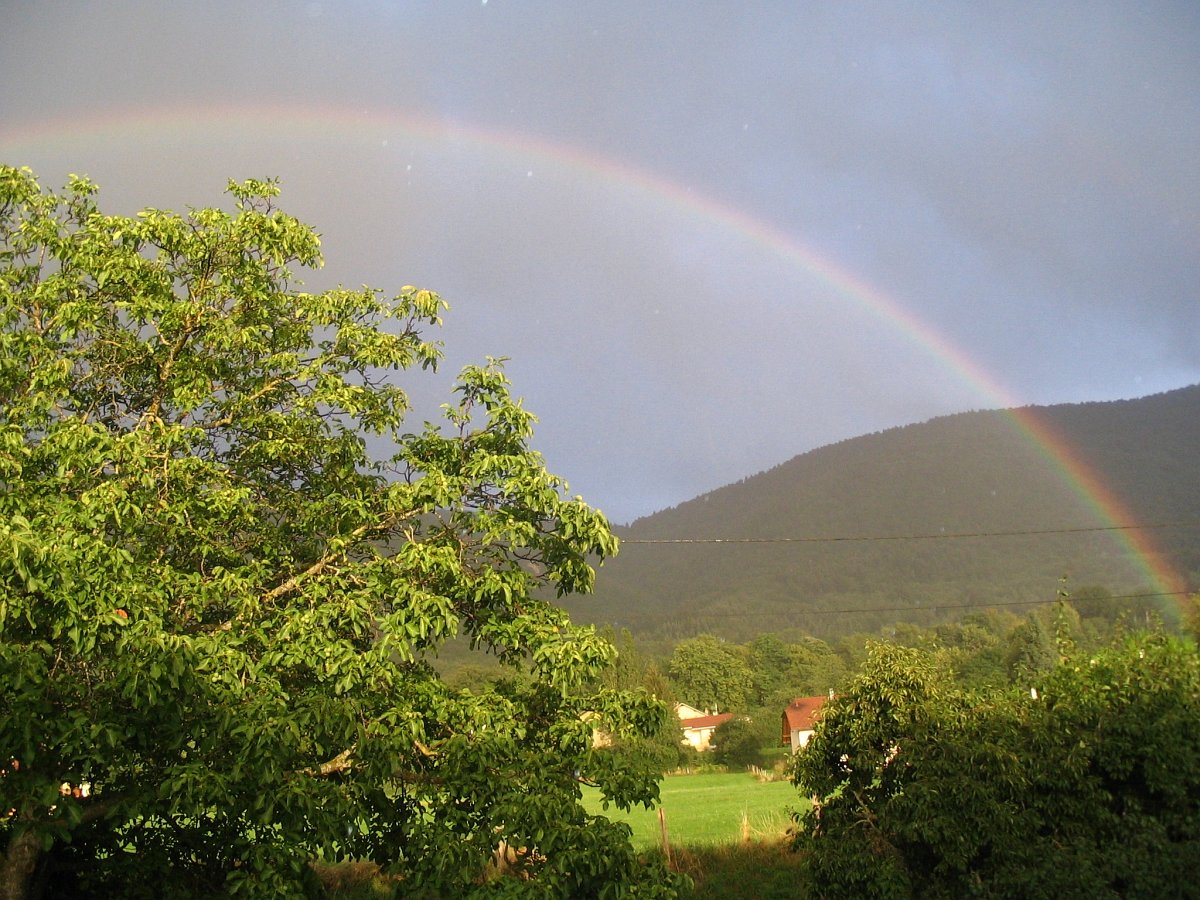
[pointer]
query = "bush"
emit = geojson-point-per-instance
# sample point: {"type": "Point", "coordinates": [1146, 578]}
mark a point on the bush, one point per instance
{"type": "Point", "coordinates": [746, 740]}
{"type": "Point", "coordinates": [1091, 787]}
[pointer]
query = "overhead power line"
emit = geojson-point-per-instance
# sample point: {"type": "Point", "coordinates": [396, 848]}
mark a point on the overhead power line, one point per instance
{"type": "Point", "coordinates": [942, 535]}
{"type": "Point", "coordinates": [931, 607]}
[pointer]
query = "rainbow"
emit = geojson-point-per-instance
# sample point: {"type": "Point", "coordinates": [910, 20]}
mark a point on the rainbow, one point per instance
{"type": "Point", "coordinates": [535, 152]}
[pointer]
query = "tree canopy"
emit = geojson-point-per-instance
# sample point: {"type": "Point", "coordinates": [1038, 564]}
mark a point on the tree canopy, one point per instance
{"type": "Point", "coordinates": [1085, 784]}
{"type": "Point", "coordinates": [218, 607]}
{"type": "Point", "coordinates": [711, 674]}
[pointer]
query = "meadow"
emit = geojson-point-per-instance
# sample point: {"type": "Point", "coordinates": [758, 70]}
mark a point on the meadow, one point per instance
{"type": "Point", "coordinates": [727, 833]}
{"type": "Point", "coordinates": [709, 810]}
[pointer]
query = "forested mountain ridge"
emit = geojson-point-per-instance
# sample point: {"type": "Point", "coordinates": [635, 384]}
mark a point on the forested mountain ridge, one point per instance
{"type": "Point", "coordinates": [969, 473]}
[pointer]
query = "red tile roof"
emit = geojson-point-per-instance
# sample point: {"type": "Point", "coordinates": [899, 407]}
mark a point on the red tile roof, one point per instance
{"type": "Point", "coordinates": [706, 721]}
{"type": "Point", "coordinates": [802, 713]}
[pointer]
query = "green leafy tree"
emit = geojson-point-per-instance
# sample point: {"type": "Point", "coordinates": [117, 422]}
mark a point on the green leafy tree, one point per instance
{"type": "Point", "coordinates": [216, 605]}
{"type": "Point", "coordinates": [815, 668]}
{"type": "Point", "coordinates": [1190, 615]}
{"type": "Point", "coordinates": [770, 664]}
{"type": "Point", "coordinates": [662, 750]}
{"type": "Point", "coordinates": [741, 741]}
{"type": "Point", "coordinates": [651, 755]}
{"type": "Point", "coordinates": [1095, 602]}
{"type": "Point", "coordinates": [629, 668]}
{"type": "Point", "coordinates": [1030, 649]}
{"type": "Point", "coordinates": [709, 673]}
{"type": "Point", "coordinates": [1089, 789]}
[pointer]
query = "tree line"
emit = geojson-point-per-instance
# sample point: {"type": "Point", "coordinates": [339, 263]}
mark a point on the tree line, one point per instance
{"type": "Point", "coordinates": [756, 679]}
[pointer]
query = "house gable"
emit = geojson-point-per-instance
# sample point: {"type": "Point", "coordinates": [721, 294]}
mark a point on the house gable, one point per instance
{"type": "Point", "coordinates": [799, 719]}
{"type": "Point", "coordinates": [683, 711]}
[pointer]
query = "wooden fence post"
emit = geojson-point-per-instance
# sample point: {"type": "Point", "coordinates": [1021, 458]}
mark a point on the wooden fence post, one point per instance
{"type": "Point", "coordinates": [666, 840]}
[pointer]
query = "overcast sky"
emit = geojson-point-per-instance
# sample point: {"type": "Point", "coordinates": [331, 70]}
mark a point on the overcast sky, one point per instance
{"type": "Point", "coordinates": [710, 236]}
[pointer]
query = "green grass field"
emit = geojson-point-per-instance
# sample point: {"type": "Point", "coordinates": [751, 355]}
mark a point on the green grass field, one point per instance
{"type": "Point", "coordinates": [708, 810]}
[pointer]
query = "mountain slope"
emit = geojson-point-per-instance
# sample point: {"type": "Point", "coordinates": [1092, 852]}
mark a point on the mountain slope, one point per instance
{"type": "Point", "coordinates": [971, 473]}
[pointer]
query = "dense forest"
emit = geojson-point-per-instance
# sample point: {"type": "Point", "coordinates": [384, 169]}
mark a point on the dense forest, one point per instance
{"type": "Point", "coordinates": [837, 524]}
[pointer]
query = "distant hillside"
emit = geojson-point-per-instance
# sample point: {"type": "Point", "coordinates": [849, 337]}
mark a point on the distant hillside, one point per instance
{"type": "Point", "coordinates": [967, 473]}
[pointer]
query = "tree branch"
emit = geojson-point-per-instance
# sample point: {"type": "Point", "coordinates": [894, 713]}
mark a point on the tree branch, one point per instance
{"type": "Point", "coordinates": [340, 763]}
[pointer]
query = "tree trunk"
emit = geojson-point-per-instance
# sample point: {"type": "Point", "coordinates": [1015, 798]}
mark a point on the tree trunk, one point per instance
{"type": "Point", "coordinates": [18, 865]}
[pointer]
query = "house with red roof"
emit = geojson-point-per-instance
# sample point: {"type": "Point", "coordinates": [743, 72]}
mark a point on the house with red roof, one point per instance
{"type": "Point", "coordinates": [799, 719]}
{"type": "Point", "coordinates": [698, 725]}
